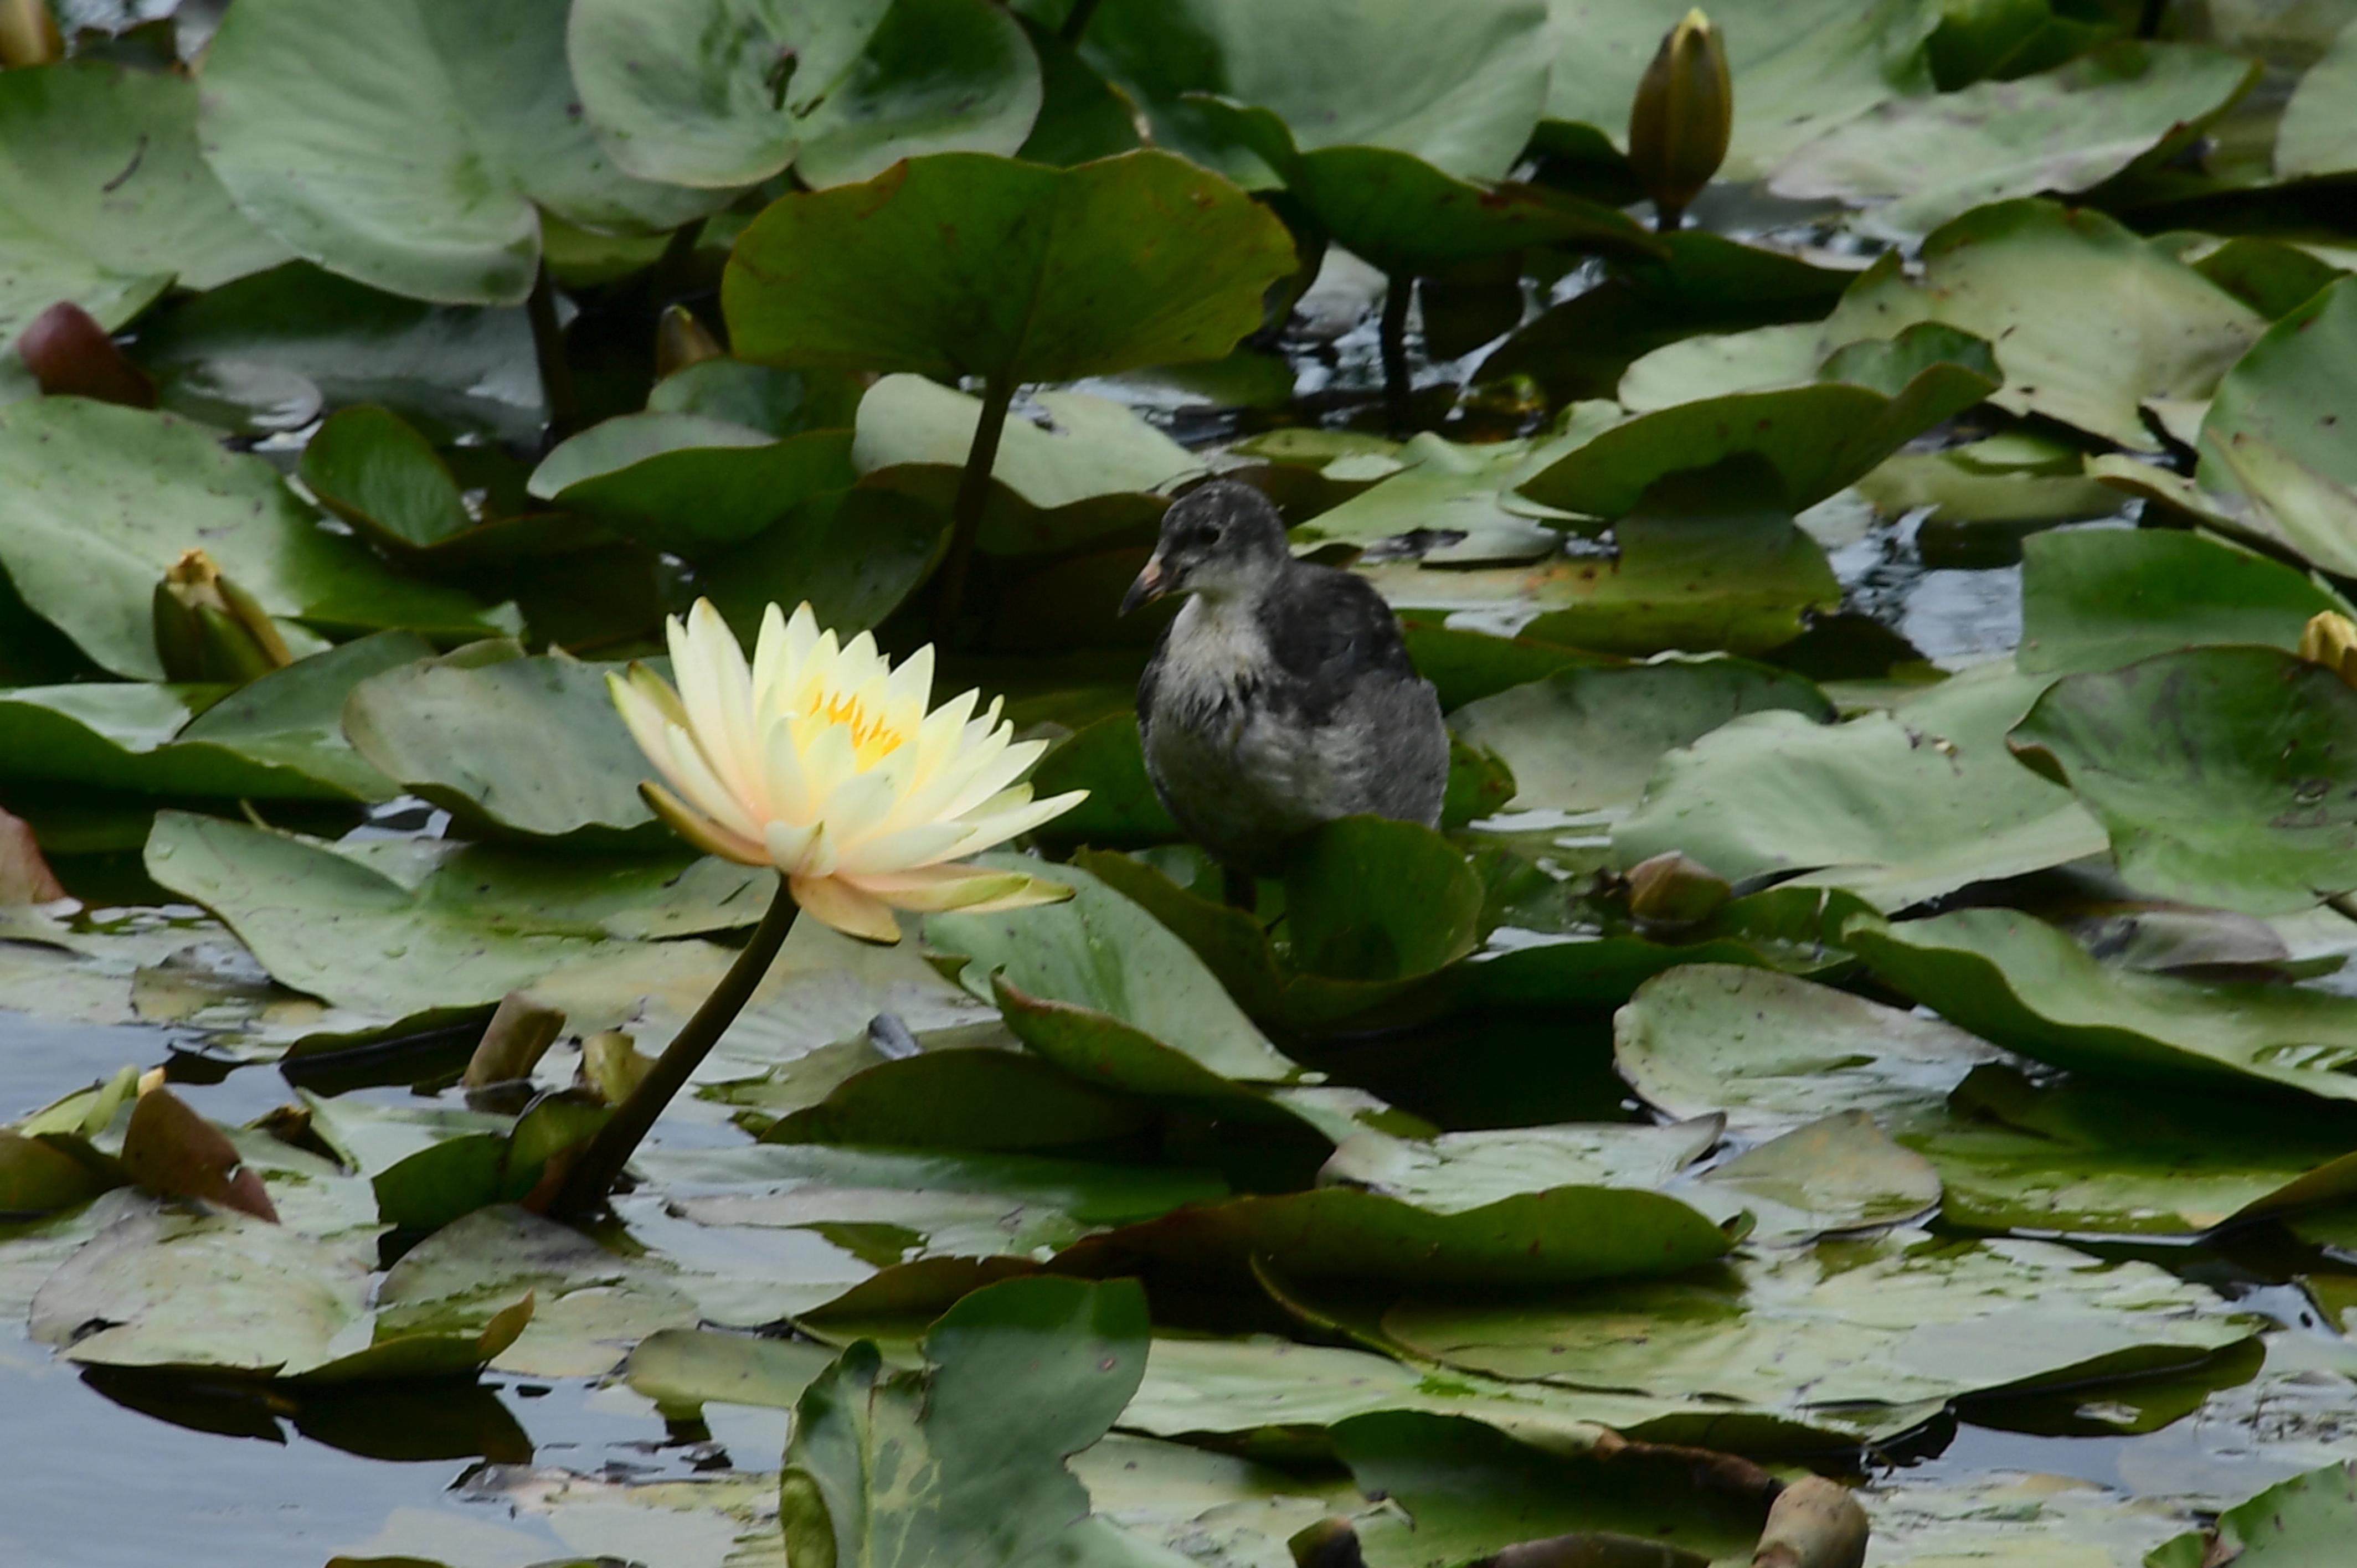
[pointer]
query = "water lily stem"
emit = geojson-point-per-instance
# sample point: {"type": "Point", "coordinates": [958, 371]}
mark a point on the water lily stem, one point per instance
{"type": "Point", "coordinates": [594, 1174]}
{"type": "Point", "coordinates": [1668, 220]}
{"type": "Point", "coordinates": [556, 369]}
{"type": "Point", "coordinates": [965, 512]}
{"type": "Point", "coordinates": [1399, 294]}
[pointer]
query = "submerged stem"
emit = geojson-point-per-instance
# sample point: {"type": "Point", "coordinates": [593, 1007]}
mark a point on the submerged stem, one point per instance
{"type": "Point", "coordinates": [592, 1175]}
{"type": "Point", "coordinates": [1076, 20]}
{"type": "Point", "coordinates": [548, 348]}
{"type": "Point", "coordinates": [1392, 338]}
{"type": "Point", "coordinates": [1668, 220]}
{"type": "Point", "coordinates": [965, 513]}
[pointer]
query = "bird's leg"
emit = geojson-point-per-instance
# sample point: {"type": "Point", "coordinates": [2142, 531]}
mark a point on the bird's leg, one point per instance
{"type": "Point", "coordinates": [1243, 889]}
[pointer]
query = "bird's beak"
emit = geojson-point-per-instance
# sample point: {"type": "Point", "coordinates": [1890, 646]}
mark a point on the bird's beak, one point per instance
{"type": "Point", "coordinates": [1149, 586]}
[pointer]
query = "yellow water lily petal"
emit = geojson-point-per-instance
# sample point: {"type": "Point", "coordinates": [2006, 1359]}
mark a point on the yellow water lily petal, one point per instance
{"type": "Point", "coordinates": [846, 908]}
{"type": "Point", "coordinates": [700, 830]}
{"type": "Point", "coordinates": [938, 890]}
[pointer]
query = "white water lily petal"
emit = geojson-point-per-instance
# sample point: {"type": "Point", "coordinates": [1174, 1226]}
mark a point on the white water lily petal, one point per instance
{"type": "Point", "coordinates": [846, 908]}
{"type": "Point", "coordinates": [818, 757]}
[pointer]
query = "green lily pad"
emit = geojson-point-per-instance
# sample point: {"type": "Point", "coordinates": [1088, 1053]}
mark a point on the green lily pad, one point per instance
{"type": "Point", "coordinates": [688, 484]}
{"type": "Point", "coordinates": [2091, 324]}
{"type": "Point", "coordinates": [96, 501]}
{"type": "Point", "coordinates": [1898, 1318]}
{"type": "Point", "coordinates": [2218, 771]}
{"type": "Point", "coordinates": [410, 148]}
{"type": "Point", "coordinates": [2083, 1159]}
{"type": "Point", "coordinates": [591, 1309]}
{"type": "Point", "coordinates": [276, 740]}
{"type": "Point", "coordinates": [940, 1467]}
{"type": "Point", "coordinates": [107, 201]}
{"type": "Point", "coordinates": [1896, 806]}
{"type": "Point", "coordinates": [326, 924]}
{"type": "Point", "coordinates": [2273, 433]}
{"type": "Point", "coordinates": [1007, 271]}
{"type": "Point", "coordinates": [1082, 475]}
{"type": "Point", "coordinates": [729, 92]}
{"type": "Point", "coordinates": [1406, 216]}
{"type": "Point", "coordinates": [1839, 1173]}
{"type": "Point", "coordinates": [268, 352]}
{"type": "Point", "coordinates": [2298, 1524]}
{"type": "Point", "coordinates": [783, 402]}
{"type": "Point", "coordinates": [2064, 130]}
{"type": "Point", "coordinates": [1588, 737]}
{"type": "Point", "coordinates": [1459, 91]}
{"type": "Point", "coordinates": [227, 1293]}
{"type": "Point", "coordinates": [1800, 69]}
{"type": "Point", "coordinates": [854, 556]}
{"type": "Point", "coordinates": [371, 468]}
{"type": "Point", "coordinates": [1443, 488]}
{"type": "Point", "coordinates": [2031, 989]}
{"type": "Point", "coordinates": [2099, 599]}
{"type": "Point", "coordinates": [509, 743]}
{"type": "Point", "coordinates": [1552, 1236]}
{"type": "Point", "coordinates": [1870, 403]}
{"type": "Point", "coordinates": [1776, 1052]}
{"type": "Point", "coordinates": [952, 1099]}
{"type": "Point", "coordinates": [1458, 1171]}
{"type": "Point", "coordinates": [2315, 135]}
{"type": "Point", "coordinates": [1102, 953]}
{"type": "Point", "coordinates": [1468, 1490]}
{"type": "Point", "coordinates": [1372, 899]}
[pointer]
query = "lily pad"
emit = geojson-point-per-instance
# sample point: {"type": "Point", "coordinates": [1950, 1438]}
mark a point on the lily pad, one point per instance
{"type": "Point", "coordinates": [2218, 771]}
{"type": "Point", "coordinates": [2029, 988]}
{"type": "Point", "coordinates": [1458, 1171]}
{"type": "Point", "coordinates": [325, 924]}
{"type": "Point", "coordinates": [1102, 953]}
{"type": "Point", "coordinates": [269, 352]}
{"type": "Point", "coordinates": [227, 1293]}
{"type": "Point", "coordinates": [1896, 806]}
{"type": "Point", "coordinates": [2099, 599]}
{"type": "Point", "coordinates": [2273, 433]}
{"type": "Point", "coordinates": [1588, 737]}
{"type": "Point", "coordinates": [2314, 137]}
{"type": "Point", "coordinates": [2064, 130]}
{"type": "Point", "coordinates": [940, 1463]}
{"type": "Point", "coordinates": [107, 200]}
{"type": "Point", "coordinates": [96, 501]}
{"type": "Point", "coordinates": [1007, 271]}
{"type": "Point", "coordinates": [729, 92]}
{"type": "Point", "coordinates": [1869, 403]}
{"type": "Point", "coordinates": [2300, 1522]}
{"type": "Point", "coordinates": [1460, 92]}
{"type": "Point", "coordinates": [1839, 1173]}
{"type": "Point", "coordinates": [2092, 324]}
{"type": "Point", "coordinates": [1902, 1318]}
{"type": "Point", "coordinates": [690, 485]}
{"type": "Point", "coordinates": [411, 147]}
{"type": "Point", "coordinates": [511, 743]}
{"type": "Point", "coordinates": [854, 556]}
{"type": "Point", "coordinates": [1552, 1236]}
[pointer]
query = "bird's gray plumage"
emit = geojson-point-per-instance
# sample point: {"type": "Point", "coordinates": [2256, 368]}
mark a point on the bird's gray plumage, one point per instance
{"type": "Point", "coordinates": [1282, 696]}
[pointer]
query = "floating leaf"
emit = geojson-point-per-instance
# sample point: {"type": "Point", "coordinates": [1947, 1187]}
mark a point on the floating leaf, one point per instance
{"type": "Point", "coordinates": [1896, 806]}
{"type": "Point", "coordinates": [1840, 1172]}
{"type": "Point", "coordinates": [516, 745]}
{"type": "Point", "coordinates": [2031, 989]}
{"type": "Point", "coordinates": [2100, 599]}
{"type": "Point", "coordinates": [720, 92]}
{"type": "Point", "coordinates": [2219, 772]}
{"type": "Point", "coordinates": [1007, 271]}
{"type": "Point", "coordinates": [106, 199]}
{"type": "Point", "coordinates": [96, 501]}
{"type": "Point", "coordinates": [2064, 130]}
{"type": "Point", "coordinates": [688, 484]}
{"type": "Point", "coordinates": [409, 147]}
{"type": "Point", "coordinates": [2274, 432]}
{"type": "Point", "coordinates": [2314, 137]}
{"type": "Point", "coordinates": [1586, 738]}
{"type": "Point", "coordinates": [2302, 1521]}
{"type": "Point", "coordinates": [2091, 324]}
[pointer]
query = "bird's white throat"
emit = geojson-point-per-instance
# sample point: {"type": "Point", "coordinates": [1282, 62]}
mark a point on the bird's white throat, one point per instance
{"type": "Point", "coordinates": [1214, 641]}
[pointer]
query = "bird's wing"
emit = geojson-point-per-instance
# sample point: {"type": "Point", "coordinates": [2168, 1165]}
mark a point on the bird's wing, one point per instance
{"type": "Point", "coordinates": [1149, 679]}
{"type": "Point", "coordinates": [1328, 631]}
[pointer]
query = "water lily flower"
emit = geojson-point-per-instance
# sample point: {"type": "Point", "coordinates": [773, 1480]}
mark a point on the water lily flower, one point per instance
{"type": "Point", "coordinates": [822, 759]}
{"type": "Point", "coordinates": [1683, 117]}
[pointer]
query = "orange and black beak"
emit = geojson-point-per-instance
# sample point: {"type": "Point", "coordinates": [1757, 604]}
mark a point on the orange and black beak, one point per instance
{"type": "Point", "coordinates": [1151, 584]}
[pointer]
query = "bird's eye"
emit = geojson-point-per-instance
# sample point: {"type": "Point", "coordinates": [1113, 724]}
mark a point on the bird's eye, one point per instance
{"type": "Point", "coordinates": [1209, 534]}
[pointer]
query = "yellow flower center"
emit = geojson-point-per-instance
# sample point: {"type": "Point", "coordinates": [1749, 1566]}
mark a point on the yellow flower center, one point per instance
{"type": "Point", "coordinates": [872, 735]}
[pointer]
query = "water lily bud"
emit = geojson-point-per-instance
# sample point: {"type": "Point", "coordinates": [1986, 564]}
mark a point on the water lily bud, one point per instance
{"type": "Point", "coordinates": [2331, 639]}
{"type": "Point", "coordinates": [1672, 893]}
{"type": "Point", "coordinates": [70, 355]}
{"type": "Point", "coordinates": [682, 340]}
{"type": "Point", "coordinates": [208, 628]}
{"type": "Point", "coordinates": [28, 34]}
{"type": "Point", "coordinates": [1685, 112]}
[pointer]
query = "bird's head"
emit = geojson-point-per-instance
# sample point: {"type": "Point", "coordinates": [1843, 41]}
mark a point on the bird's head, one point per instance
{"type": "Point", "coordinates": [1223, 541]}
